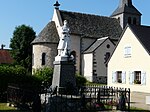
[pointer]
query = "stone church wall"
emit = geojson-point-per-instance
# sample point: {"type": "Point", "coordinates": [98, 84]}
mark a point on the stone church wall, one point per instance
{"type": "Point", "coordinates": [49, 49]}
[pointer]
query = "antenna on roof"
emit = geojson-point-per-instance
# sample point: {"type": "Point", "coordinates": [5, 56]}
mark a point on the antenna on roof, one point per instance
{"type": "Point", "coordinates": [57, 5]}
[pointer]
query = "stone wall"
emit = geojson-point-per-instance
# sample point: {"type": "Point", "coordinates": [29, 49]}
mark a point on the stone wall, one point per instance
{"type": "Point", "coordinates": [48, 48]}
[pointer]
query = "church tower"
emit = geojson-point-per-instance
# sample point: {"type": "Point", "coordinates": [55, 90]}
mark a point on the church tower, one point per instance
{"type": "Point", "coordinates": [127, 13]}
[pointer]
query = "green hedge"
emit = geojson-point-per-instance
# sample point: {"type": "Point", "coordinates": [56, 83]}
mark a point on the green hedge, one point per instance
{"type": "Point", "coordinates": [16, 75]}
{"type": "Point", "coordinates": [80, 80]}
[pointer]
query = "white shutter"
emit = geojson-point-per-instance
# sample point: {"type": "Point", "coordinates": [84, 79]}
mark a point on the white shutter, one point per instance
{"type": "Point", "coordinates": [123, 77]}
{"type": "Point", "coordinates": [114, 77]}
{"type": "Point", "coordinates": [143, 78]}
{"type": "Point", "coordinates": [131, 77]}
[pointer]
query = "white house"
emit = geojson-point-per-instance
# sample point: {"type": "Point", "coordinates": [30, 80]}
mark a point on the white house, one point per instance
{"type": "Point", "coordinates": [95, 58]}
{"type": "Point", "coordinates": [129, 65]}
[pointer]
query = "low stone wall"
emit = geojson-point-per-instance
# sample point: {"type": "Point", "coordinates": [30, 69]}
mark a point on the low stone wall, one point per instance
{"type": "Point", "coordinates": [100, 79]}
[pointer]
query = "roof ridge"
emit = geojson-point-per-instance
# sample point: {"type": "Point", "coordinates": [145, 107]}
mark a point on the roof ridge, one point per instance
{"type": "Point", "coordinates": [139, 25]}
{"type": "Point", "coordinates": [85, 14]}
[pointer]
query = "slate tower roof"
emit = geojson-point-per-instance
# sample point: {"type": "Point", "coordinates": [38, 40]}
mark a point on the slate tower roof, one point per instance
{"type": "Point", "coordinates": [48, 35]}
{"type": "Point", "coordinates": [126, 6]}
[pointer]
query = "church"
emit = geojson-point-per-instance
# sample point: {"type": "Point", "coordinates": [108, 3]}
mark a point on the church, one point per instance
{"type": "Point", "coordinates": [93, 39]}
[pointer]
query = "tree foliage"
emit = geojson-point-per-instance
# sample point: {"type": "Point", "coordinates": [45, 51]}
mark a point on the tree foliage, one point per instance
{"type": "Point", "coordinates": [21, 45]}
{"type": "Point", "coordinates": [44, 74]}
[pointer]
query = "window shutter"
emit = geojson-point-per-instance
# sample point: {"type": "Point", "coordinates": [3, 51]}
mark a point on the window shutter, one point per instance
{"type": "Point", "coordinates": [123, 77]}
{"type": "Point", "coordinates": [114, 77]}
{"type": "Point", "coordinates": [143, 78]}
{"type": "Point", "coordinates": [131, 77]}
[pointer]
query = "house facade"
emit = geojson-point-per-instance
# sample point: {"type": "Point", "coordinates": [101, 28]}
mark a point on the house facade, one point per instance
{"type": "Point", "coordinates": [129, 66]}
{"type": "Point", "coordinates": [85, 30]}
{"type": "Point", "coordinates": [95, 58]}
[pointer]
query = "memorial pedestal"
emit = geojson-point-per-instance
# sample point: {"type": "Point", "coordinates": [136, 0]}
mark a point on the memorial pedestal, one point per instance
{"type": "Point", "coordinates": [64, 74]}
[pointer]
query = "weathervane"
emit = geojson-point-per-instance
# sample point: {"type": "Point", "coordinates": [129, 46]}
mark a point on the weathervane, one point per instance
{"type": "Point", "coordinates": [57, 5]}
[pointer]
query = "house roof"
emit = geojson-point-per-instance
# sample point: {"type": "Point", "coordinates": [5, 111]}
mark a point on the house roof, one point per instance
{"type": "Point", "coordinates": [141, 32]}
{"type": "Point", "coordinates": [126, 6]}
{"type": "Point", "coordinates": [5, 57]}
{"type": "Point", "coordinates": [143, 35]}
{"type": "Point", "coordinates": [48, 35]}
{"type": "Point", "coordinates": [96, 44]}
{"type": "Point", "coordinates": [89, 25]}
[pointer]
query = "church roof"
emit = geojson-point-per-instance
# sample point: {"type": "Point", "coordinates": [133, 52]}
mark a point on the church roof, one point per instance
{"type": "Point", "coordinates": [93, 26]}
{"type": "Point", "coordinates": [86, 25]}
{"type": "Point", "coordinates": [96, 44]}
{"type": "Point", "coordinates": [48, 35]}
{"type": "Point", "coordinates": [126, 7]}
{"type": "Point", "coordinates": [143, 35]}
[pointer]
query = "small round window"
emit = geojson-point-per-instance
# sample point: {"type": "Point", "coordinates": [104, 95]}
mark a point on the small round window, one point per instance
{"type": "Point", "coordinates": [108, 46]}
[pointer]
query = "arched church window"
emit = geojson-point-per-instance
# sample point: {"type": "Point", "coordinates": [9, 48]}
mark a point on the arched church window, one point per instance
{"type": "Point", "coordinates": [43, 58]}
{"type": "Point", "coordinates": [74, 55]}
{"type": "Point", "coordinates": [119, 19]}
{"type": "Point", "coordinates": [129, 20]}
{"type": "Point", "coordinates": [106, 57]}
{"type": "Point", "coordinates": [134, 21]}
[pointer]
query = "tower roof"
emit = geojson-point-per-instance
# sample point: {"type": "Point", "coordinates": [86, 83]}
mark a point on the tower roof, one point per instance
{"type": "Point", "coordinates": [48, 35]}
{"type": "Point", "coordinates": [126, 6]}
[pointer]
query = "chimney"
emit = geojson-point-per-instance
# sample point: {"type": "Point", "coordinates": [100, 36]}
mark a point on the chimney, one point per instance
{"type": "Point", "coordinates": [2, 46]}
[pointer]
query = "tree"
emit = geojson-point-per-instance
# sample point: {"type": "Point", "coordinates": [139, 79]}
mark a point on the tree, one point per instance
{"type": "Point", "coordinates": [21, 46]}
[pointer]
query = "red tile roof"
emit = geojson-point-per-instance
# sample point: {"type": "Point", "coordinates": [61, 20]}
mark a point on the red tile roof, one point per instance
{"type": "Point", "coordinates": [5, 57]}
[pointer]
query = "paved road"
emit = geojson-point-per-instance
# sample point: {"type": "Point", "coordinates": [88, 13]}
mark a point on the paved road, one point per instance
{"type": "Point", "coordinates": [139, 100]}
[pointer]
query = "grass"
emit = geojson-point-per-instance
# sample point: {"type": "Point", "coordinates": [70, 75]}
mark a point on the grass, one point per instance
{"type": "Point", "coordinates": [5, 108]}
{"type": "Point", "coordinates": [134, 109]}
{"type": "Point", "coordinates": [93, 84]}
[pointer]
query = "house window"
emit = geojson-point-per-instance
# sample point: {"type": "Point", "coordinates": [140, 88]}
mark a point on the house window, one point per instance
{"type": "Point", "coordinates": [127, 51]}
{"type": "Point", "coordinates": [138, 77]}
{"type": "Point", "coordinates": [119, 77]}
{"type": "Point", "coordinates": [43, 58]}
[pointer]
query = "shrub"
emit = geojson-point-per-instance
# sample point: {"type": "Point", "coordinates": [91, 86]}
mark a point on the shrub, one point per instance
{"type": "Point", "coordinates": [44, 74]}
{"type": "Point", "coordinates": [80, 80]}
{"type": "Point", "coordinates": [16, 75]}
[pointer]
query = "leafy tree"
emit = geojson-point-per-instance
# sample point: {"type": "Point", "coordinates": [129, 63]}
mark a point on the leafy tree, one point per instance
{"type": "Point", "coordinates": [21, 45]}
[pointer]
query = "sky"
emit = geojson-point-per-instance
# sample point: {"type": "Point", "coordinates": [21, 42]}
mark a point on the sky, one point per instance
{"type": "Point", "coordinates": [37, 13]}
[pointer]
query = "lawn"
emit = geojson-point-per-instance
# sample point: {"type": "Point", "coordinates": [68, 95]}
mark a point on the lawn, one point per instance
{"type": "Point", "coordinates": [5, 108]}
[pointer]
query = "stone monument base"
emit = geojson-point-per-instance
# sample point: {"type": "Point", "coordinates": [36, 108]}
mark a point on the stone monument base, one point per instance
{"type": "Point", "coordinates": [64, 74]}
